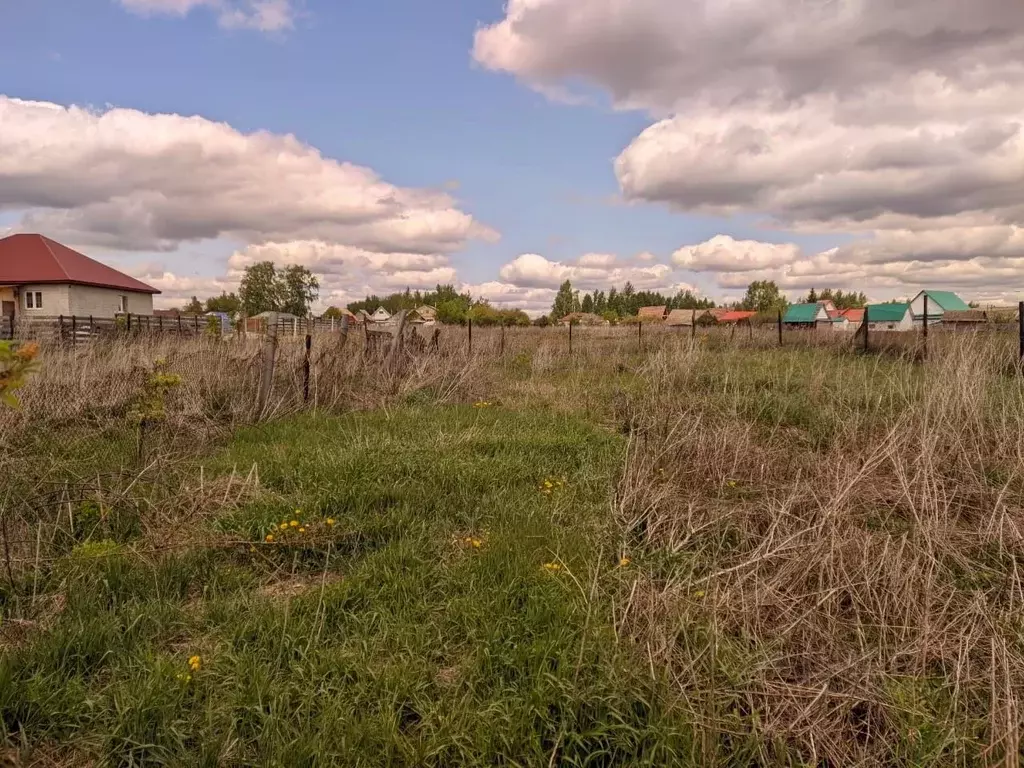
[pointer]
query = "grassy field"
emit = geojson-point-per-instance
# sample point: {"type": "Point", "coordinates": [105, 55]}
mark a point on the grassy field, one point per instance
{"type": "Point", "coordinates": [696, 554]}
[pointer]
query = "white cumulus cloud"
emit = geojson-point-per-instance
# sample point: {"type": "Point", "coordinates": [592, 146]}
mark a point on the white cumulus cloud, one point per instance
{"type": "Point", "coordinates": [262, 15]}
{"type": "Point", "coordinates": [126, 179]}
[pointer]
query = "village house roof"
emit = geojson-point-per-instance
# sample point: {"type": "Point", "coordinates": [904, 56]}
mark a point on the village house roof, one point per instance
{"type": "Point", "coordinates": [735, 316]}
{"type": "Point", "coordinates": [886, 313]}
{"type": "Point", "coordinates": [946, 300]}
{"type": "Point", "coordinates": [652, 313]}
{"type": "Point", "coordinates": [802, 313]}
{"type": "Point", "coordinates": [684, 316]}
{"type": "Point", "coordinates": [965, 316]}
{"type": "Point", "coordinates": [28, 258]}
{"type": "Point", "coordinates": [853, 315]}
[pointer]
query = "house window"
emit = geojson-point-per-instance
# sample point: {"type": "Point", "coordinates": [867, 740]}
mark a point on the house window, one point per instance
{"type": "Point", "coordinates": [39, 300]}
{"type": "Point", "coordinates": [122, 304]}
{"type": "Point", "coordinates": [33, 299]}
{"type": "Point", "coordinates": [28, 300]}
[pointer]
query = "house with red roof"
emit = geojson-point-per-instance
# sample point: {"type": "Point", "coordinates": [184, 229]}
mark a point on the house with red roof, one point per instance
{"type": "Point", "coordinates": [39, 277]}
{"type": "Point", "coordinates": [736, 316]}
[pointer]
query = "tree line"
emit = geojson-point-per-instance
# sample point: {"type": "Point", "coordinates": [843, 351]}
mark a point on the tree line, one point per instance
{"type": "Point", "coordinates": [615, 305]}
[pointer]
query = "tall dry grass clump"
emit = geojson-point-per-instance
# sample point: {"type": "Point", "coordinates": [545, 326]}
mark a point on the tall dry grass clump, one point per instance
{"type": "Point", "coordinates": [840, 545]}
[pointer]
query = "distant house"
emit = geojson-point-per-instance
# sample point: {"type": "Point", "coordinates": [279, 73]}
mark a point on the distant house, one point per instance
{"type": "Point", "coordinates": [685, 317]}
{"type": "Point", "coordinates": [582, 318]}
{"type": "Point", "coordinates": [889, 317]}
{"type": "Point", "coordinates": [717, 312]}
{"type": "Point", "coordinates": [363, 316]}
{"type": "Point", "coordinates": [39, 277]}
{"type": "Point", "coordinates": [939, 302]}
{"type": "Point", "coordinates": [426, 314]}
{"type": "Point", "coordinates": [964, 318]}
{"type": "Point", "coordinates": [854, 316]}
{"type": "Point", "coordinates": [381, 315]}
{"type": "Point", "coordinates": [652, 314]}
{"type": "Point", "coordinates": [807, 316]}
{"type": "Point", "coordinates": [736, 316]}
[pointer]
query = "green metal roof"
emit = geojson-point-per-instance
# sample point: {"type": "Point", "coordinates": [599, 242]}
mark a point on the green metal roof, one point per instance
{"type": "Point", "coordinates": [948, 300]}
{"type": "Point", "coordinates": [801, 313]}
{"type": "Point", "coordinates": [886, 313]}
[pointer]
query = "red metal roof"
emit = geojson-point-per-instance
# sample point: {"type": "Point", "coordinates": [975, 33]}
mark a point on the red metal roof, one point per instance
{"type": "Point", "coordinates": [853, 315]}
{"type": "Point", "coordinates": [735, 316]}
{"type": "Point", "coordinates": [36, 259]}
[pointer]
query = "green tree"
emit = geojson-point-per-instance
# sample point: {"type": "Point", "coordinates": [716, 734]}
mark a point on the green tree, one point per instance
{"type": "Point", "coordinates": [565, 301]}
{"type": "Point", "coordinates": [194, 307]}
{"type": "Point", "coordinates": [452, 312]}
{"type": "Point", "coordinates": [763, 296]}
{"type": "Point", "coordinates": [298, 289]}
{"type": "Point", "coordinates": [812, 297]}
{"type": "Point", "coordinates": [333, 313]}
{"type": "Point", "coordinates": [587, 305]}
{"type": "Point", "coordinates": [260, 289]}
{"type": "Point", "coordinates": [228, 303]}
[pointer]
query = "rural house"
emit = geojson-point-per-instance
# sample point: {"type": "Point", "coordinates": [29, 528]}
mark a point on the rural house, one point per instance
{"type": "Point", "coordinates": [381, 315]}
{"type": "Point", "coordinates": [807, 316]}
{"type": "Point", "coordinates": [651, 314]}
{"type": "Point", "coordinates": [889, 317]}
{"type": "Point", "coordinates": [736, 316]}
{"type": "Point", "coordinates": [685, 317]}
{"type": "Point", "coordinates": [939, 302]}
{"type": "Point", "coordinates": [425, 315]}
{"type": "Point", "coordinates": [39, 277]}
{"type": "Point", "coordinates": [582, 318]}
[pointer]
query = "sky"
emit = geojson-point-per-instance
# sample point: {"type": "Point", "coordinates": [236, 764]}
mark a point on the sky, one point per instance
{"type": "Point", "coordinates": [507, 147]}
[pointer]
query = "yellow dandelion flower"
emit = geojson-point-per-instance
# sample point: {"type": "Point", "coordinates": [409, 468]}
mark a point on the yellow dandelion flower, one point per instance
{"type": "Point", "coordinates": [270, 538]}
{"type": "Point", "coordinates": [294, 523]}
{"type": "Point", "coordinates": [624, 562]}
{"type": "Point", "coordinates": [547, 484]}
{"type": "Point", "coordinates": [552, 567]}
{"type": "Point", "coordinates": [476, 543]}
{"type": "Point", "coordinates": [302, 530]}
{"type": "Point", "coordinates": [699, 593]}
{"type": "Point", "coordinates": [252, 549]}
{"type": "Point", "coordinates": [330, 521]}
{"type": "Point", "coordinates": [283, 526]}
{"type": "Point", "coordinates": [195, 662]}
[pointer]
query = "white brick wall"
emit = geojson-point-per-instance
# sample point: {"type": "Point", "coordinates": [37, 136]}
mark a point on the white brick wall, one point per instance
{"type": "Point", "coordinates": [104, 302]}
{"type": "Point", "coordinates": [55, 301]}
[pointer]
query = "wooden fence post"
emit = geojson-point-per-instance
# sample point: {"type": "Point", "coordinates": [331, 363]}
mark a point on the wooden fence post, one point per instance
{"type": "Point", "coordinates": [196, 318]}
{"type": "Point", "coordinates": [640, 335]}
{"type": "Point", "coordinates": [161, 325]}
{"type": "Point", "coordinates": [867, 329]}
{"type": "Point", "coordinates": [305, 368]}
{"type": "Point", "coordinates": [74, 331]}
{"type": "Point", "coordinates": [693, 323]}
{"type": "Point", "coordinates": [924, 328]}
{"type": "Point", "coordinates": [570, 336]}
{"type": "Point", "coordinates": [344, 332]}
{"type": "Point", "coordinates": [1020, 327]}
{"type": "Point", "coordinates": [470, 322]}
{"type": "Point", "coordinates": [92, 328]}
{"type": "Point", "coordinates": [503, 339]}
{"type": "Point", "coordinates": [129, 323]}
{"type": "Point", "coordinates": [780, 327]}
{"type": "Point", "coordinates": [267, 373]}
{"type": "Point", "coordinates": [60, 331]}
{"type": "Point", "coordinates": [179, 324]}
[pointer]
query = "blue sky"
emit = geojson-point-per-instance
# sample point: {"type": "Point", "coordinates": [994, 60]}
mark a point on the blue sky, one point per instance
{"type": "Point", "coordinates": [391, 85]}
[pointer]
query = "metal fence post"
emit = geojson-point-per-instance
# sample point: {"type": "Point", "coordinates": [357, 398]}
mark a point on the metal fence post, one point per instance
{"type": "Point", "coordinates": [640, 335]}
{"type": "Point", "coordinates": [693, 323]}
{"type": "Point", "coordinates": [1020, 327]}
{"type": "Point", "coordinates": [867, 330]}
{"type": "Point", "coordinates": [503, 338]}
{"type": "Point", "coordinates": [305, 369]}
{"type": "Point", "coordinates": [924, 328]}
{"type": "Point", "coordinates": [570, 336]}
{"type": "Point", "coordinates": [780, 327]}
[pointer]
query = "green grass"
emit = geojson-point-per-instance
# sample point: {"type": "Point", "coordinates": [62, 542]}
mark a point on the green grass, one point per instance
{"type": "Point", "coordinates": [401, 645]}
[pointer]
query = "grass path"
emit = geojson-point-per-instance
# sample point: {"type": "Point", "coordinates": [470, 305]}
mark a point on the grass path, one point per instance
{"type": "Point", "coordinates": [444, 599]}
